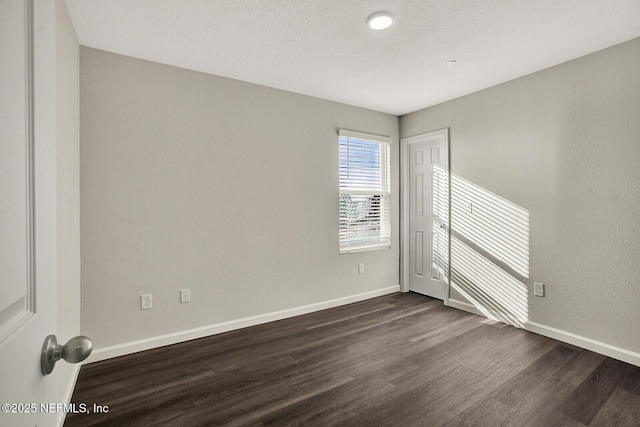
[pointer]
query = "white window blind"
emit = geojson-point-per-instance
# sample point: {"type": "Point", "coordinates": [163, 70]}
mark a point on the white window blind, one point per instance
{"type": "Point", "coordinates": [365, 192]}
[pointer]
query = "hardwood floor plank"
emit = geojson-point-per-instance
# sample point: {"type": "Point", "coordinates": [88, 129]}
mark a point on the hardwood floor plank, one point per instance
{"type": "Point", "coordinates": [333, 406]}
{"type": "Point", "coordinates": [621, 409]}
{"type": "Point", "coordinates": [486, 412]}
{"type": "Point", "coordinates": [565, 421]}
{"type": "Point", "coordinates": [524, 385]}
{"type": "Point", "coordinates": [509, 354]}
{"type": "Point", "coordinates": [252, 411]}
{"type": "Point", "coordinates": [437, 332]}
{"type": "Point", "coordinates": [351, 317]}
{"type": "Point", "coordinates": [578, 369]}
{"type": "Point", "coordinates": [541, 407]}
{"type": "Point", "coordinates": [589, 397]}
{"type": "Point", "coordinates": [631, 382]}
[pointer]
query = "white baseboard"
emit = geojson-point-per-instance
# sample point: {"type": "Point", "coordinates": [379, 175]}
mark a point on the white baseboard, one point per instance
{"type": "Point", "coordinates": [564, 336]}
{"type": "Point", "coordinates": [68, 394]}
{"type": "Point", "coordinates": [584, 342]}
{"type": "Point", "coordinates": [190, 334]}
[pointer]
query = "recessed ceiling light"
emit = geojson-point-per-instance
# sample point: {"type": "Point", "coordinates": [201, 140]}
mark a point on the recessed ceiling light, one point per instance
{"type": "Point", "coordinates": [380, 20]}
{"type": "Point", "coordinates": [451, 63]}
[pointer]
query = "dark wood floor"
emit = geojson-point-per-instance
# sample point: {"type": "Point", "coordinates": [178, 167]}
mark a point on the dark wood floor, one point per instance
{"type": "Point", "coordinates": [397, 360]}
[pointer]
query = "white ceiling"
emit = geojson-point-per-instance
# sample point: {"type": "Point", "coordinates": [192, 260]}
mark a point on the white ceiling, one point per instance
{"type": "Point", "coordinates": [324, 48]}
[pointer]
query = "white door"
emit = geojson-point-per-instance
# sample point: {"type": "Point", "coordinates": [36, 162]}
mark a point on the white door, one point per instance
{"type": "Point", "coordinates": [28, 291]}
{"type": "Point", "coordinates": [427, 214]}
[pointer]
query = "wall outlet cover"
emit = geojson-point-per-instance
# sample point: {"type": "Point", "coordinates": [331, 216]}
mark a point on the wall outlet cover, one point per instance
{"type": "Point", "coordinates": [538, 289]}
{"type": "Point", "coordinates": [145, 302]}
{"type": "Point", "coordinates": [185, 295]}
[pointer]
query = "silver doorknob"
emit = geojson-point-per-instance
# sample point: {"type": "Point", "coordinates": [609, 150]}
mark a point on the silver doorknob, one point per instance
{"type": "Point", "coordinates": [75, 350]}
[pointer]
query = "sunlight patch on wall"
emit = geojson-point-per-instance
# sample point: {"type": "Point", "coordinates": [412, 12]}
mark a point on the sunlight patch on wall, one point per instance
{"type": "Point", "coordinates": [496, 225]}
{"type": "Point", "coordinates": [489, 288]}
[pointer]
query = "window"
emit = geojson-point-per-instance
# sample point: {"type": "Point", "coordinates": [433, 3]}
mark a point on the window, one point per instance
{"type": "Point", "coordinates": [365, 190]}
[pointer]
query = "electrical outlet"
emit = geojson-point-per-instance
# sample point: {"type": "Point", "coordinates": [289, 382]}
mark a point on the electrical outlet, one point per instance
{"type": "Point", "coordinates": [185, 295]}
{"type": "Point", "coordinates": [361, 268]}
{"type": "Point", "coordinates": [145, 302]}
{"type": "Point", "coordinates": [538, 289]}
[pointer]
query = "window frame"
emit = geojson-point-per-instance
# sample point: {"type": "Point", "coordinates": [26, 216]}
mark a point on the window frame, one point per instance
{"type": "Point", "coordinates": [384, 166]}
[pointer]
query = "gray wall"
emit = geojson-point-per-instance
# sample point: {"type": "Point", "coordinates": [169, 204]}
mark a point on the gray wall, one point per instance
{"type": "Point", "coordinates": [230, 189]}
{"type": "Point", "coordinates": [561, 149]}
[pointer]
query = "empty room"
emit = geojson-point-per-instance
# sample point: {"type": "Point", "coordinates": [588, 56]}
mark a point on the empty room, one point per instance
{"type": "Point", "coordinates": [320, 212]}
